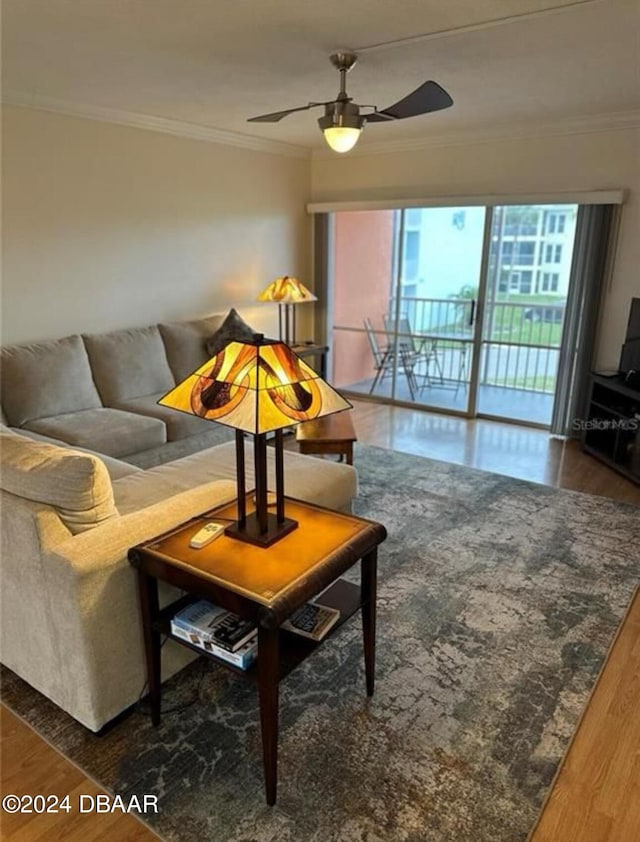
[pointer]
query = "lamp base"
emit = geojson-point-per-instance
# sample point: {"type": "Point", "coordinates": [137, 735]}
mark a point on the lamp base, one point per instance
{"type": "Point", "coordinates": [250, 532]}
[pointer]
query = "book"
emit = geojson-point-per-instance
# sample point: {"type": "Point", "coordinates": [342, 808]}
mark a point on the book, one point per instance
{"type": "Point", "coordinates": [210, 622]}
{"type": "Point", "coordinates": [231, 632]}
{"type": "Point", "coordinates": [243, 657]}
{"type": "Point", "coordinates": [198, 616]}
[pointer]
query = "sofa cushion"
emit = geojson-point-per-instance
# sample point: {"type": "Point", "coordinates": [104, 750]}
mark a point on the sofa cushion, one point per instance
{"type": "Point", "coordinates": [180, 425]}
{"type": "Point", "coordinates": [308, 478]}
{"type": "Point", "coordinates": [41, 379]}
{"type": "Point", "coordinates": [137, 491]}
{"type": "Point", "coordinates": [233, 328]}
{"type": "Point", "coordinates": [76, 485]}
{"type": "Point", "coordinates": [186, 344]}
{"type": "Point", "coordinates": [128, 363]}
{"type": "Point", "coordinates": [109, 431]}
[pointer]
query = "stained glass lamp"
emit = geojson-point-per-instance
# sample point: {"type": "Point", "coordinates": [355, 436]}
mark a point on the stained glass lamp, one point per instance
{"type": "Point", "coordinates": [287, 292]}
{"type": "Point", "coordinates": [257, 387]}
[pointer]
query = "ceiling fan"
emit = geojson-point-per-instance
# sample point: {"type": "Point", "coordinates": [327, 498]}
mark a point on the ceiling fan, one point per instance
{"type": "Point", "coordinates": [343, 121]}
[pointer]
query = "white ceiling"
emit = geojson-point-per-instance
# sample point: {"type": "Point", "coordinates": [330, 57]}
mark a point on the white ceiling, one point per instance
{"type": "Point", "coordinates": [213, 63]}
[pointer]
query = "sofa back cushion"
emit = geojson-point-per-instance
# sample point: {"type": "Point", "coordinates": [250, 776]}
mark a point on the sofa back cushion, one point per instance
{"type": "Point", "coordinates": [42, 379]}
{"type": "Point", "coordinates": [128, 363]}
{"type": "Point", "coordinates": [186, 344]}
{"type": "Point", "coordinates": [77, 485]}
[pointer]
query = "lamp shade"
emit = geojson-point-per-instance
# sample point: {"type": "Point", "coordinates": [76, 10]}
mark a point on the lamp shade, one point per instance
{"type": "Point", "coordinates": [287, 290]}
{"type": "Point", "coordinates": [255, 387]}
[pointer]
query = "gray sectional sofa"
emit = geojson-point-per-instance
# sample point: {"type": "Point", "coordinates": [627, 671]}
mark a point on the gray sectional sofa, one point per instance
{"type": "Point", "coordinates": [81, 423]}
{"type": "Point", "coordinates": [99, 391]}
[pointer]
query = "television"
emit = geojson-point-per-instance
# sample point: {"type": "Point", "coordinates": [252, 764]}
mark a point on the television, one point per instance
{"type": "Point", "coordinates": [630, 356]}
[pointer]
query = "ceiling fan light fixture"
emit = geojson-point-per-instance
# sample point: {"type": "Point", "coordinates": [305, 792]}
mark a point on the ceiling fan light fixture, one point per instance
{"type": "Point", "coordinates": [342, 125]}
{"type": "Point", "coordinates": [342, 138]}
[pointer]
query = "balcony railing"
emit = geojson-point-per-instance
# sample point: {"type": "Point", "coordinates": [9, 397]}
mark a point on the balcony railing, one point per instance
{"type": "Point", "coordinates": [520, 341]}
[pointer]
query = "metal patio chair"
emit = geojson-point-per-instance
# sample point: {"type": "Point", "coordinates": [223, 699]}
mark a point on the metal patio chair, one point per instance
{"type": "Point", "coordinates": [382, 356]}
{"type": "Point", "coordinates": [415, 351]}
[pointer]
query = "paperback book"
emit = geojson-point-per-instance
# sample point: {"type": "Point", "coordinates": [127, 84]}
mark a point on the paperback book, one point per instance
{"type": "Point", "coordinates": [212, 623]}
{"type": "Point", "coordinates": [242, 657]}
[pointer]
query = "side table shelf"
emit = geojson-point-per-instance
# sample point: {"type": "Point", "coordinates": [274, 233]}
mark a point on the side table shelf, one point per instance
{"type": "Point", "coordinates": [343, 595]}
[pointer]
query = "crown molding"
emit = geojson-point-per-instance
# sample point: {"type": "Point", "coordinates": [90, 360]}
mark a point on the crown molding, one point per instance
{"type": "Point", "coordinates": [193, 131]}
{"type": "Point", "coordinates": [613, 121]}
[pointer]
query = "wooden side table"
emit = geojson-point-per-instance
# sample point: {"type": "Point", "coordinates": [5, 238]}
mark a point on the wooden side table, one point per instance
{"type": "Point", "coordinates": [331, 434]}
{"type": "Point", "coordinates": [265, 586]}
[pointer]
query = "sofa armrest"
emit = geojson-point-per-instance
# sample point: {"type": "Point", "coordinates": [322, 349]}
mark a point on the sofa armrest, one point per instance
{"type": "Point", "coordinates": [107, 544]}
{"type": "Point", "coordinates": [92, 601]}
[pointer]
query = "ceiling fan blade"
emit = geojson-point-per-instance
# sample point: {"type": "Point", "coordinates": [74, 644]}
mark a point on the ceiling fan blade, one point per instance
{"type": "Point", "coordinates": [278, 115]}
{"type": "Point", "coordinates": [428, 97]}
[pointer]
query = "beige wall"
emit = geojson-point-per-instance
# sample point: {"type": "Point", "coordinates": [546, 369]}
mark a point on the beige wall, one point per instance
{"type": "Point", "coordinates": [595, 161]}
{"type": "Point", "coordinates": [106, 226]}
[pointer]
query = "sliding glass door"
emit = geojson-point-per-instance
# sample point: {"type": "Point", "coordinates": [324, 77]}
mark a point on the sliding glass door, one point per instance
{"type": "Point", "coordinates": [452, 308]}
{"type": "Point", "coordinates": [527, 288]}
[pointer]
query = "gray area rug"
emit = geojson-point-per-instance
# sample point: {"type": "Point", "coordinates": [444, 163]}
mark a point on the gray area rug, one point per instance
{"type": "Point", "coordinates": [498, 600]}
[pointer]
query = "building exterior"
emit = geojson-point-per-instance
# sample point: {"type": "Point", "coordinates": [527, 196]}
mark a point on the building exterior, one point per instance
{"type": "Point", "coordinates": [531, 249]}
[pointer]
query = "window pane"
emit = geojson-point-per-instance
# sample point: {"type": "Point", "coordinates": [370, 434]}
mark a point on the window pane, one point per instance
{"type": "Point", "coordinates": [524, 310]}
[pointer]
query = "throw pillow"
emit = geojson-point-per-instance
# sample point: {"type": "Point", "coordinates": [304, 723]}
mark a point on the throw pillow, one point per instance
{"type": "Point", "coordinates": [233, 328]}
{"type": "Point", "coordinates": [186, 344]}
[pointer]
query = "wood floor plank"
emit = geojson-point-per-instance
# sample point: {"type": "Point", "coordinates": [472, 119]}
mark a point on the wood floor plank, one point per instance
{"type": "Point", "coordinates": [31, 766]}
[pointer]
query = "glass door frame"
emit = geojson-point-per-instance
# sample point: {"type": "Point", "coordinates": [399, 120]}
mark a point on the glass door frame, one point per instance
{"type": "Point", "coordinates": [478, 319]}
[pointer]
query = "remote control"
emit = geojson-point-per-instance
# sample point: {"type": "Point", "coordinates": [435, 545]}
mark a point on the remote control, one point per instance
{"type": "Point", "coordinates": [206, 535]}
{"type": "Point", "coordinates": [312, 620]}
{"type": "Point", "coordinates": [305, 618]}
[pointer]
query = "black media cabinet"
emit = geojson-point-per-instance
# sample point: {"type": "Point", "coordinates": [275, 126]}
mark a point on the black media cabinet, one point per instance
{"type": "Point", "coordinates": [612, 429]}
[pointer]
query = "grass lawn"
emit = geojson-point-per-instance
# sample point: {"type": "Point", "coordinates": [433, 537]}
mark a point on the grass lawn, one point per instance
{"type": "Point", "coordinates": [531, 320]}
